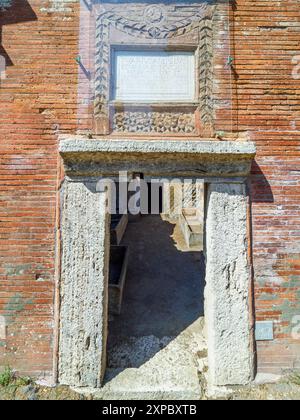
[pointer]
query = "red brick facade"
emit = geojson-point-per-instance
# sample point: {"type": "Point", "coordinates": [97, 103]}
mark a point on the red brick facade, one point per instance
{"type": "Point", "coordinates": [38, 100]}
{"type": "Point", "coordinates": [266, 38]}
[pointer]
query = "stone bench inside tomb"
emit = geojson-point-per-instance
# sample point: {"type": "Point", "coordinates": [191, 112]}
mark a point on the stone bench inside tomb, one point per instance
{"type": "Point", "coordinates": [117, 277]}
{"type": "Point", "coordinates": [192, 228]}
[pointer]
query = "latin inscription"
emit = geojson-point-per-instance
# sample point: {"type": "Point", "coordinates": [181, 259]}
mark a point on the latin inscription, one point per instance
{"type": "Point", "coordinates": [149, 76]}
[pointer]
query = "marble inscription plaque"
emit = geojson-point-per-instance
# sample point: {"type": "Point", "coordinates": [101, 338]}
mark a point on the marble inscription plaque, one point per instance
{"type": "Point", "coordinates": [154, 76]}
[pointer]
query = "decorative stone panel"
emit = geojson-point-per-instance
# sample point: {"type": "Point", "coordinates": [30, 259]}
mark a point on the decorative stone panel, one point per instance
{"type": "Point", "coordinates": [154, 122]}
{"type": "Point", "coordinates": [168, 26]}
{"type": "Point", "coordinates": [84, 285]}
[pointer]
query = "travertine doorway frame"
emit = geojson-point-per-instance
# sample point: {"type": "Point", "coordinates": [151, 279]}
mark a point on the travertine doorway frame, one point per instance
{"type": "Point", "coordinates": [224, 166]}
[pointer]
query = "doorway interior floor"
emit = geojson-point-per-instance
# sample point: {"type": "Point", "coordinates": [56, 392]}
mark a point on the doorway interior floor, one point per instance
{"type": "Point", "coordinates": [156, 347]}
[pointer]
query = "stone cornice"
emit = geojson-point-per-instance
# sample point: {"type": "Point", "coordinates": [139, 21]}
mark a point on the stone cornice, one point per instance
{"type": "Point", "coordinates": [95, 157]}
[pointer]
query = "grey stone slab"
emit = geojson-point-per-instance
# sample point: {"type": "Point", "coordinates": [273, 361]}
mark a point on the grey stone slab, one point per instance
{"type": "Point", "coordinates": [229, 335]}
{"type": "Point", "coordinates": [84, 283]}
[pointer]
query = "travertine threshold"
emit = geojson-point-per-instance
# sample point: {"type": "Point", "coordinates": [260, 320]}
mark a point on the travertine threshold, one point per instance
{"type": "Point", "coordinates": [172, 373]}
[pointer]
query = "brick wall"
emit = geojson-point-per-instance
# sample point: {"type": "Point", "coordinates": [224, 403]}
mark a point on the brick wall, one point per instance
{"type": "Point", "coordinates": [38, 100]}
{"type": "Point", "coordinates": [267, 37]}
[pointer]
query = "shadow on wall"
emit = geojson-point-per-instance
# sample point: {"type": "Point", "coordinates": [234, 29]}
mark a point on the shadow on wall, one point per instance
{"type": "Point", "coordinates": [261, 191]}
{"type": "Point", "coordinates": [11, 12]}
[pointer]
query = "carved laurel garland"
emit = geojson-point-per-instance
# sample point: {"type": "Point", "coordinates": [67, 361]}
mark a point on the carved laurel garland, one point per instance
{"type": "Point", "coordinates": [206, 72]}
{"type": "Point", "coordinates": [156, 25]}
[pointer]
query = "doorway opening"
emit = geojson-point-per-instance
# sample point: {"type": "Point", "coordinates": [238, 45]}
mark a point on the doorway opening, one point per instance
{"type": "Point", "coordinates": [156, 316]}
{"type": "Point", "coordinates": [82, 350]}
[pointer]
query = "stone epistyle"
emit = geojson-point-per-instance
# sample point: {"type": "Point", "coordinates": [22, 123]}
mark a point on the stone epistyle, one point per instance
{"type": "Point", "coordinates": [227, 310]}
{"type": "Point", "coordinates": [84, 285]}
{"type": "Point", "coordinates": [5, 4]}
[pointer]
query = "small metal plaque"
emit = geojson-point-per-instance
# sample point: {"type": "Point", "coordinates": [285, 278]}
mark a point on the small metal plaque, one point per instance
{"type": "Point", "coordinates": [2, 328]}
{"type": "Point", "coordinates": [154, 76]}
{"type": "Point", "coordinates": [264, 331]}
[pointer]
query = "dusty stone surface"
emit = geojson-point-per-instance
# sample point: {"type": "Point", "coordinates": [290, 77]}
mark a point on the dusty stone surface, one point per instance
{"type": "Point", "coordinates": [27, 392]}
{"type": "Point", "coordinates": [164, 290]}
{"type": "Point", "coordinates": [230, 353]}
{"type": "Point", "coordinates": [172, 371]}
{"type": "Point", "coordinates": [84, 279]}
{"type": "Point", "coordinates": [83, 333]}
